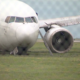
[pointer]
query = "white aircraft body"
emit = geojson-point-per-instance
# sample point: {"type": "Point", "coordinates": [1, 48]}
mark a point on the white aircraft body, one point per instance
{"type": "Point", "coordinates": [19, 27]}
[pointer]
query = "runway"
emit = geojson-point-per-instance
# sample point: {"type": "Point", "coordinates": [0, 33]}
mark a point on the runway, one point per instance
{"type": "Point", "coordinates": [75, 40]}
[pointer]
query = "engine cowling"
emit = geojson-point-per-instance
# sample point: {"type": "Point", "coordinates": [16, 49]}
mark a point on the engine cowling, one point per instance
{"type": "Point", "coordinates": [59, 40]}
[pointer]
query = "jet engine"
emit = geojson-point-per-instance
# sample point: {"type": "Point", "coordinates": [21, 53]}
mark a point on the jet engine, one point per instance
{"type": "Point", "coordinates": [59, 40]}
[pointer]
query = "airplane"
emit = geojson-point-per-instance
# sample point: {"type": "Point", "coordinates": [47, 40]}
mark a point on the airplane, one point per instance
{"type": "Point", "coordinates": [20, 27]}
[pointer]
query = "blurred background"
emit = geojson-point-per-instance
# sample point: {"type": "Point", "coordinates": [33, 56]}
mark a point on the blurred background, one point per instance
{"type": "Point", "coordinates": [48, 9]}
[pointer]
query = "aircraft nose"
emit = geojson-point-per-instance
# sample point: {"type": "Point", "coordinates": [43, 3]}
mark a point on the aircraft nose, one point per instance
{"type": "Point", "coordinates": [30, 28]}
{"type": "Point", "coordinates": [22, 34]}
{"type": "Point", "coordinates": [25, 28]}
{"type": "Point", "coordinates": [29, 34]}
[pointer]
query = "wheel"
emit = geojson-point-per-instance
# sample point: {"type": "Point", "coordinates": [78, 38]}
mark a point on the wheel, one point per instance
{"type": "Point", "coordinates": [22, 50]}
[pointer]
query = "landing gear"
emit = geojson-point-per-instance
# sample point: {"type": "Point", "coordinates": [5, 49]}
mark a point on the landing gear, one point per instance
{"type": "Point", "coordinates": [19, 51]}
{"type": "Point", "coordinates": [22, 50]}
{"type": "Point", "coordinates": [14, 52]}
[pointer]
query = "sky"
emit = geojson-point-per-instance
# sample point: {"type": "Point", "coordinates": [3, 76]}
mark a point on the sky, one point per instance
{"type": "Point", "coordinates": [48, 9]}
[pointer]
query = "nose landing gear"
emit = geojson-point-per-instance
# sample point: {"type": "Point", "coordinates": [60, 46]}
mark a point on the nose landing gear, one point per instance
{"type": "Point", "coordinates": [19, 51]}
{"type": "Point", "coordinates": [22, 50]}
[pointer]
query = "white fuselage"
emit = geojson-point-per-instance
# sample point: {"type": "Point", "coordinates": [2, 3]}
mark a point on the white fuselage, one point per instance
{"type": "Point", "coordinates": [15, 34]}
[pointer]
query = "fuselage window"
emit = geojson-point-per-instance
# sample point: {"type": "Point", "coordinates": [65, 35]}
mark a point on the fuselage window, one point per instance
{"type": "Point", "coordinates": [12, 19]}
{"type": "Point", "coordinates": [19, 19]}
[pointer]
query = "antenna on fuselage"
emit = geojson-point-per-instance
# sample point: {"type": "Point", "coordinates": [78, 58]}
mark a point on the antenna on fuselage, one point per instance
{"type": "Point", "coordinates": [36, 13]}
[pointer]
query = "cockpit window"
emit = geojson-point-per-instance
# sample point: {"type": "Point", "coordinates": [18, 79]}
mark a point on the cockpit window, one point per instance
{"type": "Point", "coordinates": [12, 19]}
{"type": "Point", "coordinates": [7, 19]}
{"type": "Point", "coordinates": [19, 19]}
{"type": "Point", "coordinates": [34, 19]}
{"type": "Point", "coordinates": [30, 19]}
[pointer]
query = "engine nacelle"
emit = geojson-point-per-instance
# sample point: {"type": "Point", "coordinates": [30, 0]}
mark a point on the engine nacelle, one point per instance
{"type": "Point", "coordinates": [59, 40]}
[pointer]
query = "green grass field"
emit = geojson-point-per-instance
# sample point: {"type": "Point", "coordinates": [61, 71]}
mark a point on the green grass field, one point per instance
{"type": "Point", "coordinates": [40, 65]}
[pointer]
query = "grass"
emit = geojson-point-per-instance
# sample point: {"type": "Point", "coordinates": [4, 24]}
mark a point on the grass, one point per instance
{"type": "Point", "coordinates": [40, 65]}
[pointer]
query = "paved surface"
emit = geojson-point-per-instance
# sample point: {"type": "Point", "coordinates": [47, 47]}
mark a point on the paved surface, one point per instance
{"type": "Point", "coordinates": [75, 40]}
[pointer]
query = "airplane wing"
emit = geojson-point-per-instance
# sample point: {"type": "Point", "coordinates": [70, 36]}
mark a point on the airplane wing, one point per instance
{"type": "Point", "coordinates": [67, 21]}
{"type": "Point", "coordinates": [58, 39]}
